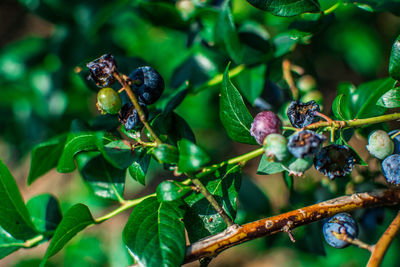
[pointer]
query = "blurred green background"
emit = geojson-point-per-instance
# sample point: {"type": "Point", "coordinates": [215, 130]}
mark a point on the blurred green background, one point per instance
{"type": "Point", "coordinates": [43, 41]}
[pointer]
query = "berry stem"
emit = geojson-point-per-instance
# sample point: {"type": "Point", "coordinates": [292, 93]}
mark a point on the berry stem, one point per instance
{"type": "Point", "coordinates": [332, 8]}
{"type": "Point", "coordinates": [287, 76]}
{"type": "Point", "coordinates": [380, 248]}
{"type": "Point", "coordinates": [354, 241]}
{"type": "Point", "coordinates": [135, 102]}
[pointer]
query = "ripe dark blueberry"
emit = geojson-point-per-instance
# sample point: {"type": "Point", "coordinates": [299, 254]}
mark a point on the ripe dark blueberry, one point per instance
{"type": "Point", "coordinates": [396, 141]}
{"type": "Point", "coordinates": [265, 123]}
{"type": "Point", "coordinates": [129, 116]}
{"type": "Point", "coordinates": [379, 144]}
{"type": "Point", "coordinates": [302, 114]}
{"type": "Point", "coordinates": [102, 69]}
{"type": "Point", "coordinates": [335, 161]}
{"type": "Point", "coordinates": [147, 84]}
{"type": "Point", "coordinates": [391, 169]}
{"type": "Point", "coordinates": [305, 143]}
{"type": "Point", "coordinates": [108, 100]}
{"type": "Point", "coordinates": [275, 147]}
{"type": "Point", "coordinates": [342, 224]}
{"type": "Point", "coordinates": [297, 166]}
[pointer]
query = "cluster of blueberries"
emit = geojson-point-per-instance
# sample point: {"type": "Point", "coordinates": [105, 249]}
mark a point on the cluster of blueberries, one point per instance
{"type": "Point", "coordinates": [146, 83]}
{"type": "Point", "coordinates": [303, 148]}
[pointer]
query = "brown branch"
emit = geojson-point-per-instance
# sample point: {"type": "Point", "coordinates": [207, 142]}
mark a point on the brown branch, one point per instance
{"type": "Point", "coordinates": [234, 235]}
{"type": "Point", "coordinates": [384, 242]}
{"type": "Point", "coordinates": [287, 76]}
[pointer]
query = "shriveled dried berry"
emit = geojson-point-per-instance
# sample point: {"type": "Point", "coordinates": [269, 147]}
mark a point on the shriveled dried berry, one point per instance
{"type": "Point", "coordinates": [305, 143]}
{"type": "Point", "coordinates": [391, 169]}
{"type": "Point", "coordinates": [335, 161]}
{"type": "Point", "coordinates": [265, 123]}
{"type": "Point", "coordinates": [302, 114]}
{"type": "Point", "coordinates": [147, 84]}
{"type": "Point", "coordinates": [102, 69]}
{"type": "Point", "coordinates": [129, 116]}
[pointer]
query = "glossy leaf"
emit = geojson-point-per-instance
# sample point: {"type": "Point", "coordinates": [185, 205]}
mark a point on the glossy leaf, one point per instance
{"type": "Point", "coordinates": [45, 212]}
{"type": "Point", "coordinates": [391, 99]}
{"type": "Point", "coordinates": [105, 180]}
{"type": "Point", "coordinates": [155, 234]}
{"type": "Point", "coordinates": [191, 157]}
{"type": "Point", "coordinates": [117, 152]}
{"type": "Point", "coordinates": [394, 62]}
{"type": "Point", "coordinates": [251, 82]}
{"type": "Point", "coordinates": [8, 244]}
{"type": "Point", "coordinates": [266, 167]}
{"type": "Point", "coordinates": [225, 32]}
{"type": "Point", "coordinates": [338, 109]}
{"type": "Point", "coordinates": [286, 8]}
{"type": "Point", "coordinates": [77, 142]}
{"type": "Point", "coordinates": [45, 157]}
{"type": "Point", "coordinates": [166, 154]}
{"type": "Point", "coordinates": [14, 216]}
{"type": "Point", "coordinates": [171, 190]}
{"type": "Point", "coordinates": [77, 218]}
{"type": "Point", "coordinates": [233, 112]}
{"type": "Point", "coordinates": [139, 166]}
{"type": "Point", "coordinates": [201, 219]}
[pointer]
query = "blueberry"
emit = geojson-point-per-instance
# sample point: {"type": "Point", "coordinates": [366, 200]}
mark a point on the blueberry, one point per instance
{"type": "Point", "coordinates": [265, 123]}
{"type": "Point", "coordinates": [108, 100]}
{"type": "Point", "coordinates": [391, 169]}
{"type": "Point", "coordinates": [302, 114]}
{"type": "Point", "coordinates": [297, 166]}
{"type": "Point", "coordinates": [101, 70]}
{"type": "Point", "coordinates": [306, 83]}
{"type": "Point", "coordinates": [129, 116]}
{"type": "Point", "coordinates": [335, 160]}
{"type": "Point", "coordinates": [305, 143]}
{"type": "Point", "coordinates": [379, 144]}
{"type": "Point", "coordinates": [396, 141]}
{"type": "Point", "coordinates": [343, 224]}
{"type": "Point", "coordinates": [275, 147]}
{"type": "Point", "coordinates": [147, 84]}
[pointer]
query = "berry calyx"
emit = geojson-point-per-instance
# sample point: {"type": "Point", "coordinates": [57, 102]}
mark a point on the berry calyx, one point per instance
{"type": "Point", "coordinates": [340, 225]}
{"type": "Point", "coordinates": [305, 143]}
{"type": "Point", "coordinates": [265, 123]}
{"type": "Point", "coordinates": [108, 101]}
{"type": "Point", "coordinates": [147, 83]}
{"type": "Point", "coordinates": [335, 161]}
{"type": "Point", "coordinates": [275, 147]}
{"type": "Point", "coordinates": [380, 145]}
{"type": "Point", "coordinates": [391, 169]}
{"type": "Point", "coordinates": [129, 116]}
{"type": "Point", "coordinates": [302, 114]}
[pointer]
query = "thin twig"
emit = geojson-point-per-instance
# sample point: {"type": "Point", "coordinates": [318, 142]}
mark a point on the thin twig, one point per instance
{"type": "Point", "coordinates": [287, 76]}
{"type": "Point", "coordinates": [384, 242]}
{"type": "Point", "coordinates": [235, 234]}
{"type": "Point", "coordinates": [354, 241]}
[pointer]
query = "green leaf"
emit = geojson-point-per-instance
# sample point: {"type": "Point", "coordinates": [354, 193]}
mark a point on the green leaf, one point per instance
{"type": "Point", "coordinates": [155, 234]}
{"type": "Point", "coordinates": [391, 99]}
{"type": "Point", "coordinates": [139, 166]}
{"type": "Point", "coordinates": [394, 62]}
{"type": "Point", "coordinates": [171, 190]}
{"type": "Point", "coordinates": [77, 218]}
{"type": "Point", "coordinates": [45, 212]}
{"type": "Point", "coordinates": [201, 219]}
{"type": "Point", "coordinates": [268, 167]}
{"type": "Point", "coordinates": [118, 153]}
{"type": "Point", "coordinates": [14, 216]}
{"type": "Point", "coordinates": [339, 109]}
{"type": "Point", "coordinates": [251, 82]}
{"type": "Point", "coordinates": [88, 251]}
{"type": "Point", "coordinates": [8, 244]}
{"type": "Point", "coordinates": [166, 154]}
{"type": "Point", "coordinates": [77, 142]}
{"type": "Point", "coordinates": [105, 180]}
{"type": "Point", "coordinates": [288, 179]}
{"type": "Point", "coordinates": [45, 157]}
{"type": "Point", "coordinates": [286, 8]}
{"type": "Point", "coordinates": [191, 157]}
{"type": "Point", "coordinates": [233, 112]}
{"type": "Point", "coordinates": [225, 32]}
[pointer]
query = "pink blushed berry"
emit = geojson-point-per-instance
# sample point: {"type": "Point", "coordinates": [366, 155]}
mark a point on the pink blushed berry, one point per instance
{"type": "Point", "coordinates": [265, 123]}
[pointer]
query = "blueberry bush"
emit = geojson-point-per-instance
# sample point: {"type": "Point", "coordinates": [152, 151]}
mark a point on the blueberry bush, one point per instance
{"type": "Point", "coordinates": [183, 116]}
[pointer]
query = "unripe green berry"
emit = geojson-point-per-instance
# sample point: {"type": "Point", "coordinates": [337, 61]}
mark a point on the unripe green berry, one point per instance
{"type": "Point", "coordinates": [297, 166]}
{"type": "Point", "coordinates": [108, 101]}
{"type": "Point", "coordinates": [380, 145]}
{"type": "Point", "coordinates": [275, 147]}
{"type": "Point", "coordinates": [306, 83]}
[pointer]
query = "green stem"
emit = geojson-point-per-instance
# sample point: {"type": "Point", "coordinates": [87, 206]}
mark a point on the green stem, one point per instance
{"type": "Point", "coordinates": [203, 190]}
{"type": "Point", "coordinates": [332, 8]}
